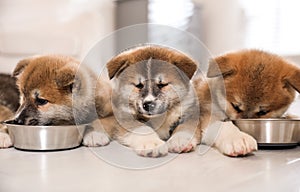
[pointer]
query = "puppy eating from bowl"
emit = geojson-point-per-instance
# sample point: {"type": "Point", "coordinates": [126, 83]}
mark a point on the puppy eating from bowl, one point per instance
{"type": "Point", "coordinates": [242, 85]}
{"type": "Point", "coordinates": [153, 100]}
{"type": "Point", "coordinates": [56, 90]}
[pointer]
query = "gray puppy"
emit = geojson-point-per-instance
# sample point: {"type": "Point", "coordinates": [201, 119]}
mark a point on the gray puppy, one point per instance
{"type": "Point", "coordinates": [9, 103]}
{"type": "Point", "coordinates": [154, 101]}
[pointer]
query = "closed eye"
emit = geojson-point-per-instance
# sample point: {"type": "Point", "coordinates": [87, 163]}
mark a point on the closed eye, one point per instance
{"type": "Point", "coordinates": [262, 112]}
{"type": "Point", "coordinates": [40, 101]}
{"type": "Point", "coordinates": [236, 108]}
{"type": "Point", "coordinates": [139, 86]}
{"type": "Point", "coordinates": [162, 85]}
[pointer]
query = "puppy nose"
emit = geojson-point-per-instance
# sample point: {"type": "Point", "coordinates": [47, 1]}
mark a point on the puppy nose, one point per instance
{"type": "Point", "coordinates": [19, 121]}
{"type": "Point", "coordinates": [149, 106]}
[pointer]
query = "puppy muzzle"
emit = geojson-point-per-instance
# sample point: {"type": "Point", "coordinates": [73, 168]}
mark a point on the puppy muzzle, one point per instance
{"type": "Point", "coordinates": [26, 116]}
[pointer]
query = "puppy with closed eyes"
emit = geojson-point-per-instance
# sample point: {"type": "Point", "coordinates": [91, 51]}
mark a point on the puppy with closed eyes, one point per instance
{"type": "Point", "coordinates": [244, 84]}
{"type": "Point", "coordinates": [56, 90]}
{"type": "Point", "coordinates": [154, 101]}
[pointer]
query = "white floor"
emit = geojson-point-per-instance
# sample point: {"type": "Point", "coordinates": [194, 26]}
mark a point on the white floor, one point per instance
{"type": "Point", "coordinates": [116, 168]}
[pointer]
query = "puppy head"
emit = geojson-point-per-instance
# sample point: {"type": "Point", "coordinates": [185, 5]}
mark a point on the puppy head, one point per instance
{"type": "Point", "coordinates": [257, 84]}
{"type": "Point", "coordinates": [46, 84]}
{"type": "Point", "coordinates": [150, 80]}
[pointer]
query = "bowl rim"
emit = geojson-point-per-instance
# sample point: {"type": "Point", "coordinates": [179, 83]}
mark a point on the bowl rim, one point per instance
{"type": "Point", "coordinates": [267, 119]}
{"type": "Point", "coordinates": [10, 125]}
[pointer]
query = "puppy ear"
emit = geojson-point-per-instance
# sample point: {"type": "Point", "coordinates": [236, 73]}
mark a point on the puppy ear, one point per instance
{"type": "Point", "coordinates": [67, 79]}
{"type": "Point", "coordinates": [116, 65]}
{"type": "Point", "coordinates": [20, 67]}
{"type": "Point", "coordinates": [294, 80]}
{"type": "Point", "coordinates": [219, 66]}
{"type": "Point", "coordinates": [187, 65]}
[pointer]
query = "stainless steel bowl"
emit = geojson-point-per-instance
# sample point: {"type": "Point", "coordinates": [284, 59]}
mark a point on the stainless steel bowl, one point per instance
{"type": "Point", "coordinates": [271, 132]}
{"type": "Point", "coordinates": [46, 137]}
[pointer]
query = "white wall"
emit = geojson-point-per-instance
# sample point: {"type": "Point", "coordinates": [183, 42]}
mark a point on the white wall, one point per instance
{"type": "Point", "coordinates": [224, 30]}
{"type": "Point", "coordinates": [63, 27]}
{"type": "Point", "coordinates": [223, 25]}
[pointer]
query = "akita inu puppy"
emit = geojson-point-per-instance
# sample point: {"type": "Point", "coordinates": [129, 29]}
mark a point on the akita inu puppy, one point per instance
{"type": "Point", "coordinates": [244, 84]}
{"type": "Point", "coordinates": [154, 101]}
{"type": "Point", "coordinates": [56, 91]}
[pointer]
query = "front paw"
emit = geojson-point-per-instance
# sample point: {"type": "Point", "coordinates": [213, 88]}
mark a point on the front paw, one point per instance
{"type": "Point", "coordinates": [182, 142]}
{"type": "Point", "coordinates": [95, 139]}
{"type": "Point", "coordinates": [151, 147]}
{"type": "Point", "coordinates": [237, 144]}
{"type": "Point", "coordinates": [5, 140]}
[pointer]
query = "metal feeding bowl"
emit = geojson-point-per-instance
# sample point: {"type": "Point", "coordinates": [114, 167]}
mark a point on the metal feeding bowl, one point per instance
{"type": "Point", "coordinates": [271, 132]}
{"type": "Point", "coordinates": [44, 138]}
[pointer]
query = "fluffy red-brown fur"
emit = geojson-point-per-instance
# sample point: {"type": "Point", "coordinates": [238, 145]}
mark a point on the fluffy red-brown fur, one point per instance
{"type": "Point", "coordinates": [180, 60]}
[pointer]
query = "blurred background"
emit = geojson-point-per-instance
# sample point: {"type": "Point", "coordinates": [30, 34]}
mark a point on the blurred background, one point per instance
{"type": "Point", "coordinates": [72, 27]}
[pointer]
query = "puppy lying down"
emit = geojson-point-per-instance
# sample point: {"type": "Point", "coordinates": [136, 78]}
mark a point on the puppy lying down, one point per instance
{"type": "Point", "coordinates": [153, 100]}
{"type": "Point", "coordinates": [56, 90]}
{"type": "Point", "coordinates": [243, 84]}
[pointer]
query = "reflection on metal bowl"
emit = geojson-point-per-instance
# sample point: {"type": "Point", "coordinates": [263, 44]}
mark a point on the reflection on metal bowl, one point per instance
{"type": "Point", "coordinates": [42, 138]}
{"type": "Point", "coordinates": [271, 132]}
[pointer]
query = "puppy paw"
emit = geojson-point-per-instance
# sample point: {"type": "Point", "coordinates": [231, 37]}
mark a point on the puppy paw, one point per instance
{"type": "Point", "coordinates": [145, 142]}
{"type": "Point", "coordinates": [182, 142]}
{"type": "Point", "coordinates": [151, 147]}
{"type": "Point", "coordinates": [95, 139]}
{"type": "Point", "coordinates": [238, 144]}
{"type": "Point", "coordinates": [5, 140]}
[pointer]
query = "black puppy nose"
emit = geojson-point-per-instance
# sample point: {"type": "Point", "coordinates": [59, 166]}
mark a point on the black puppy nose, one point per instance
{"type": "Point", "coordinates": [149, 106]}
{"type": "Point", "coordinates": [19, 121]}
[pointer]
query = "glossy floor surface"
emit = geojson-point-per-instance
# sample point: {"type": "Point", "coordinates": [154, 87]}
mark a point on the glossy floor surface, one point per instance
{"type": "Point", "coordinates": [116, 168]}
